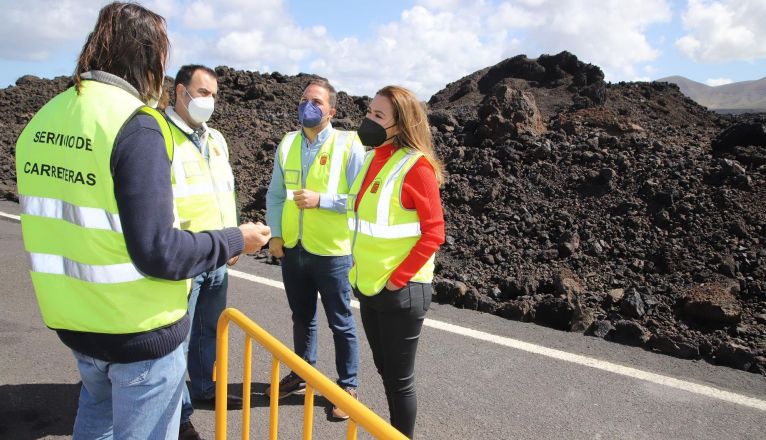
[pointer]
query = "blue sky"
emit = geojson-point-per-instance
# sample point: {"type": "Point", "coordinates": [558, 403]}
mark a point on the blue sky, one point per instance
{"type": "Point", "coordinates": [422, 44]}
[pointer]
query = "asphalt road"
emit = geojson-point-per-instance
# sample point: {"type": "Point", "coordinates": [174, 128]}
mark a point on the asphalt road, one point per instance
{"type": "Point", "coordinates": [479, 376]}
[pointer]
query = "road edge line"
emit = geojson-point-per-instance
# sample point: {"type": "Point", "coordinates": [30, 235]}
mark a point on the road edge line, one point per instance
{"type": "Point", "coordinates": [611, 367]}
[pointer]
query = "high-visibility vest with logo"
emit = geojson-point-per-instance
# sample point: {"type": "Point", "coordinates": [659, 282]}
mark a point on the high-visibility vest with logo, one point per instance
{"type": "Point", "coordinates": [384, 232]}
{"type": "Point", "coordinates": [321, 231]}
{"type": "Point", "coordinates": [203, 189]}
{"type": "Point", "coordinates": [82, 273]}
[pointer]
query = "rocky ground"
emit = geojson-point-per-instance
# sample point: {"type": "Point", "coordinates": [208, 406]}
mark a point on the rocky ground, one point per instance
{"type": "Point", "coordinates": [624, 211]}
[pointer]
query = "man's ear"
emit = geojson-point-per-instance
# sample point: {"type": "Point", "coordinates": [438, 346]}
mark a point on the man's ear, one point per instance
{"type": "Point", "coordinates": [179, 91]}
{"type": "Point", "coordinates": [332, 112]}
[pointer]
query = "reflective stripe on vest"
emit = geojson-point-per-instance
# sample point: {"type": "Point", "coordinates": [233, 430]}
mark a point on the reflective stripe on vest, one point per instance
{"type": "Point", "coordinates": [92, 218]}
{"type": "Point", "coordinates": [286, 145]}
{"type": "Point", "coordinates": [321, 231]}
{"type": "Point", "coordinates": [203, 189]}
{"type": "Point", "coordinates": [82, 273]}
{"type": "Point", "coordinates": [384, 231]}
{"type": "Point", "coordinates": [58, 265]}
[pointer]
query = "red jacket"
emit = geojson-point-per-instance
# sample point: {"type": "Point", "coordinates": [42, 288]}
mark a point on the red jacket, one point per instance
{"type": "Point", "coordinates": [421, 192]}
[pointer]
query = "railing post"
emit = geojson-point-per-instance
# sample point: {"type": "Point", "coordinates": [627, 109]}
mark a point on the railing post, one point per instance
{"type": "Point", "coordinates": [351, 430]}
{"type": "Point", "coordinates": [221, 376]}
{"type": "Point", "coordinates": [274, 404]}
{"type": "Point", "coordinates": [246, 378]}
{"type": "Point", "coordinates": [359, 414]}
{"type": "Point", "coordinates": [308, 412]}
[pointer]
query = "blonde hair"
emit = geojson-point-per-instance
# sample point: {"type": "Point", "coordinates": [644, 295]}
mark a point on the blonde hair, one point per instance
{"type": "Point", "coordinates": [412, 122]}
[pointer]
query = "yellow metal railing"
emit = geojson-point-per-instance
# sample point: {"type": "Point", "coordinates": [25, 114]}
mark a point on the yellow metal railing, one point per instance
{"type": "Point", "coordinates": [315, 380]}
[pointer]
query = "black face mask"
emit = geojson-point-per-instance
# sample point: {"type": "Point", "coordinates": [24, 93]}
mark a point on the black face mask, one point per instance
{"type": "Point", "coordinates": [372, 134]}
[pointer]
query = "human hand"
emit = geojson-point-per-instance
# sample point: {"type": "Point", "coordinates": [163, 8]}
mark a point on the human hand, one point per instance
{"type": "Point", "coordinates": [232, 261]}
{"type": "Point", "coordinates": [391, 286]}
{"type": "Point", "coordinates": [277, 247]}
{"type": "Point", "coordinates": [256, 236]}
{"type": "Point", "coordinates": [305, 198]}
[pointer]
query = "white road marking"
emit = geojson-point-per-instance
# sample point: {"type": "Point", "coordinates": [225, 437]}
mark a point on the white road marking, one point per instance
{"type": "Point", "coordinates": [10, 217]}
{"type": "Point", "coordinates": [611, 367]}
{"type": "Point", "coordinates": [257, 279]}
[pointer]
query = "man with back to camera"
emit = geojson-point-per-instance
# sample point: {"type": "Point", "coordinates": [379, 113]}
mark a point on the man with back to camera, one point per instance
{"type": "Point", "coordinates": [306, 208]}
{"type": "Point", "coordinates": [109, 267]}
{"type": "Point", "coordinates": [203, 187]}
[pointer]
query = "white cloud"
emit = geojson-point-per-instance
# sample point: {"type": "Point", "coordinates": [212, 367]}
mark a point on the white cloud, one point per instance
{"type": "Point", "coordinates": [429, 45]}
{"type": "Point", "coordinates": [186, 49]}
{"type": "Point", "coordinates": [282, 49]}
{"type": "Point", "coordinates": [255, 35]}
{"type": "Point", "coordinates": [235, 15]}
{"type": "Point", "coordinates": [424, 51]}
{"type": "Point", "coordinates": [610, 34]}
{"type": "Point", "coordinates": [714, 82]}
{"type": "Point", "coordinates": [724, 30]}
{"type": "Point", "coordinates": [201, 15]}
{"type": "Point", "coordinates": [49, 27]}
{"type": "Point", "coordinates": [34, 30]}
{"type": "Point", "coordinates": [508, 15]}
{"type": "Point", "coordinates": [436, 42]}
{"type": "Point", "coordinates": [166, 8]}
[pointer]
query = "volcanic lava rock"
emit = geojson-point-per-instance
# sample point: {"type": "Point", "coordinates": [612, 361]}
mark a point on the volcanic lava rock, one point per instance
{"type": "Point", "coordinates": [713, 304]}
{"type": "Point", "coordinates": [600, 329]}
{"type": "Point", "coordinates": [735, 355]}
{"type": "Point", "coordinates": [632, 305]}
{"type": "Point", "coordinates": [745, 141]}
{"type": "Point", "coordinates": [550, 169]}
{"type": "Point", "coordinates": [673, 346]}
{"type": "Point", "coordinates": [629, 332]}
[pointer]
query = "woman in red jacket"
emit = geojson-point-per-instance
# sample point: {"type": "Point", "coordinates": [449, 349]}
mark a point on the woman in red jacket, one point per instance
{"type": "Point", "coordinates": [398, 223]}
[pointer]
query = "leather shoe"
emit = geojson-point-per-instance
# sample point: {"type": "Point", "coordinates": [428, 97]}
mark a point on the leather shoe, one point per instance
{"type": "Point", "coordinates": [232, 402]}
{"type": "Point", "coordinates": [187, 432]}
{"type": "Point", "coordinates": [338, 413]}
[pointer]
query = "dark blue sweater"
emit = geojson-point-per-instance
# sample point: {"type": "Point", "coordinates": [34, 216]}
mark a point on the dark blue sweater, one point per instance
{"type": "Point", "coordinates": [141, 174]}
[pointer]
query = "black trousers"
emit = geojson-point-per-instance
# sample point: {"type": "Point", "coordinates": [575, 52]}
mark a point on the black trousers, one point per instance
{"type": "Point", "coordinates": [392, 321]}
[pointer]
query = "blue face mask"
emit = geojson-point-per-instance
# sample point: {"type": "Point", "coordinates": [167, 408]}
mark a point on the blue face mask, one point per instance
{"type": "Point", "coordinates": [309, 115]}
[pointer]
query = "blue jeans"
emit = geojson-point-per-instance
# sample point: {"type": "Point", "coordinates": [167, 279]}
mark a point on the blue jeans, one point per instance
{"type": "Point", "coordinates": [140, 400]}
{"type": "Point", "coordinates": [207, 300]}
{"type": "Point", "coordinates": [305, 274]}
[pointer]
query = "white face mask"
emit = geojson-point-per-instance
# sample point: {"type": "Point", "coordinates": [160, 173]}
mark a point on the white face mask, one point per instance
{"type": "Point", "coordinates": [201, 108]}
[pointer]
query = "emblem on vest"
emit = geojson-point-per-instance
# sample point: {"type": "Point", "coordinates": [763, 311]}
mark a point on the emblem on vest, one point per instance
{"type": "Point", "coordinates": [323, 159]}
{"type": "Point", "coordinates": [375, 186]}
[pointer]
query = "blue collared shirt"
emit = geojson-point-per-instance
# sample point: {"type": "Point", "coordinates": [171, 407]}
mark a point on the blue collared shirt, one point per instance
{"type": "Point", "coordinates": [276, 194]}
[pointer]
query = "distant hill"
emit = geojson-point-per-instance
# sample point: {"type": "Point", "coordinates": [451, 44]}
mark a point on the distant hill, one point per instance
{"type": "Point", "coordinates": [738, 97]}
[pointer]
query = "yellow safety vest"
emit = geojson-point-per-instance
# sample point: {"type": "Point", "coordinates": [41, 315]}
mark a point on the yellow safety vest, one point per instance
{"type": "Point", "coordinates": [321, 231]}
{"type": "Point", "coordinates": [83, 276]}
{"type": "Point", "coordinates": [203, 189]}
{"type": "Point", "coordinates": [384, 231]}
